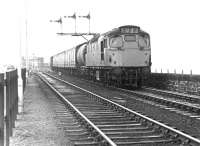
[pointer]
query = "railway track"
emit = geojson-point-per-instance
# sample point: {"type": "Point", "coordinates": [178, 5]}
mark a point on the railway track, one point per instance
{"type": "Point", "coordinates": [184, 104]}
{"type": "Point", "coordinates": [172, 94]}
{"type": "Point", "coordinates": [184, 120]}
{"type": "Point", "coordinates": [180, 103]}
{"type": "Point", "coordinates": [108, 123]}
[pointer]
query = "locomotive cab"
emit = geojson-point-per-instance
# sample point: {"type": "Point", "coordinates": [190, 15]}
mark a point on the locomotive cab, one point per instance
{"type": "Point", "coordinates": [128, 52]}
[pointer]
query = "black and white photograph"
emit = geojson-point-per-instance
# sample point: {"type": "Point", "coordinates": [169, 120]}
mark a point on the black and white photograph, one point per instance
{"type": "Point", "coordinates": [100, 73]}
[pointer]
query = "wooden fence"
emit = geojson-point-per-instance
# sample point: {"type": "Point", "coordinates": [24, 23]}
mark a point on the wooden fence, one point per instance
{"type": "Point", "coordinates": [8, 105]}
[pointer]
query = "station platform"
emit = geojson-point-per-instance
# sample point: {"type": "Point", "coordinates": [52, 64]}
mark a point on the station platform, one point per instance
{"type": "Point", "coordinates": [37, 125]}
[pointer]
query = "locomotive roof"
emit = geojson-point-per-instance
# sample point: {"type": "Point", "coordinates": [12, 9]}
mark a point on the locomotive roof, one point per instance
{"type": "Point", "coordinates": [117, 30]}
{"type": "Point", "coordinates": [95, 38]}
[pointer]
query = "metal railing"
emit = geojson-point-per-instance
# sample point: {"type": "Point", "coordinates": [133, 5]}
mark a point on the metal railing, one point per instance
{"type": "Point", "coordinates": [8, 104]}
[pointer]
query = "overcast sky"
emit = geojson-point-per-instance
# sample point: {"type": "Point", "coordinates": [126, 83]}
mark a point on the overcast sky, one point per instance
{"type": "Point", "coordinates": [174, 27]}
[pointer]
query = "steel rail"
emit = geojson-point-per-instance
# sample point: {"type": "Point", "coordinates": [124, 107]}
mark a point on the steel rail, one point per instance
{"type": "Point", "coordinates": [186, 136]}
{"type": "Point", "coordinates": [84, 117]}
{"type": "Point", "coordinates": [180, 104]}
{"type": "Point", "coordinates": [172, 93]}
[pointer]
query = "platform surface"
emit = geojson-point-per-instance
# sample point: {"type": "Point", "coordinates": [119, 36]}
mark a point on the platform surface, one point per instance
{"type": "Point", "coordinates": [37, 125]}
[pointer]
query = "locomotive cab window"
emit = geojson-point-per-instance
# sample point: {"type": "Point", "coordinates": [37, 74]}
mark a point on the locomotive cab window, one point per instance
{"type": "Point", "coordinates": [130, 38]}
{"type": "Point", "coordinates": [143, 41]}
{"type": "Point", "coordinates": [116, 42]}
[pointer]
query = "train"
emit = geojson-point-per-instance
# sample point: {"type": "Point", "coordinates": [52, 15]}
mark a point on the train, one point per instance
{"type": "Point", "coordinates": [119, 57]}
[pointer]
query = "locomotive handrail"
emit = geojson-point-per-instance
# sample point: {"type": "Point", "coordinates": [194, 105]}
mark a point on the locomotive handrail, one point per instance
{"type": "Point", "coordinates": [83, 116]}
{"type": "Point", "coordinates": [138, 114]}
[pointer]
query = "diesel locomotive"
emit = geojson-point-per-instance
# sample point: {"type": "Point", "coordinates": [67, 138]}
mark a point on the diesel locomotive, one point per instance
{"type": "Point", "coordinates": [120, 57]}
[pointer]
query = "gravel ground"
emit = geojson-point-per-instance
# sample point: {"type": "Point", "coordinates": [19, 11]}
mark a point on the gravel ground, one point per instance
{"type": "Point", "coordinates": [37, 126]}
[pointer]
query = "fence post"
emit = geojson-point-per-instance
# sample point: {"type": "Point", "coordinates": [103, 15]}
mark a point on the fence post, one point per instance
{"type": "Point", "coordinates": [20, 91]}
{"type": "Point", "coordinates": [1, 109]}
{"type": "Point", "coordinates": [11, 100]}
{"type": "Point", "coordinates": [7, 118]}
{"type": "Point", "coordinates": [16, 95]}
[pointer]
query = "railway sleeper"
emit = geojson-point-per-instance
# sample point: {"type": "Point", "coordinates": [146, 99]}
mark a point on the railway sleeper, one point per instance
{"type": "Point", "coordinates": [114, 122]}
{"type": "Point", "coordinates": [163, 142]}
{"type": "Point", "coordinates": [138, 138]}
{"type": "Point", "coordinates": [78, 135]}
{"type": "Point", "coordinates": [68, 124]}
{"type": "Point", "coordinates": [100, 113]}
{"type": "Point", "coordinates": [139, 128]}
{"type": "Point", "coordinates": [88, 144]}
{"type": "Point", "coordinates": [82, 139]}
{"type": "Point", "coordinates": [108, 119]}
{"type": "Point", "coordinates": [132, 133]}
{"type": "Point", "coordinates": [71, 127]}
{"type": "Point", "coordinates": [104, 116]}
{"type": "Point", "coordinates": [125, 126]}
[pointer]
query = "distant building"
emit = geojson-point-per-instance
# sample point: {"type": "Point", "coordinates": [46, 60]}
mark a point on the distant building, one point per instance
{"type": "Point", "coordinates": [36, 63]}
